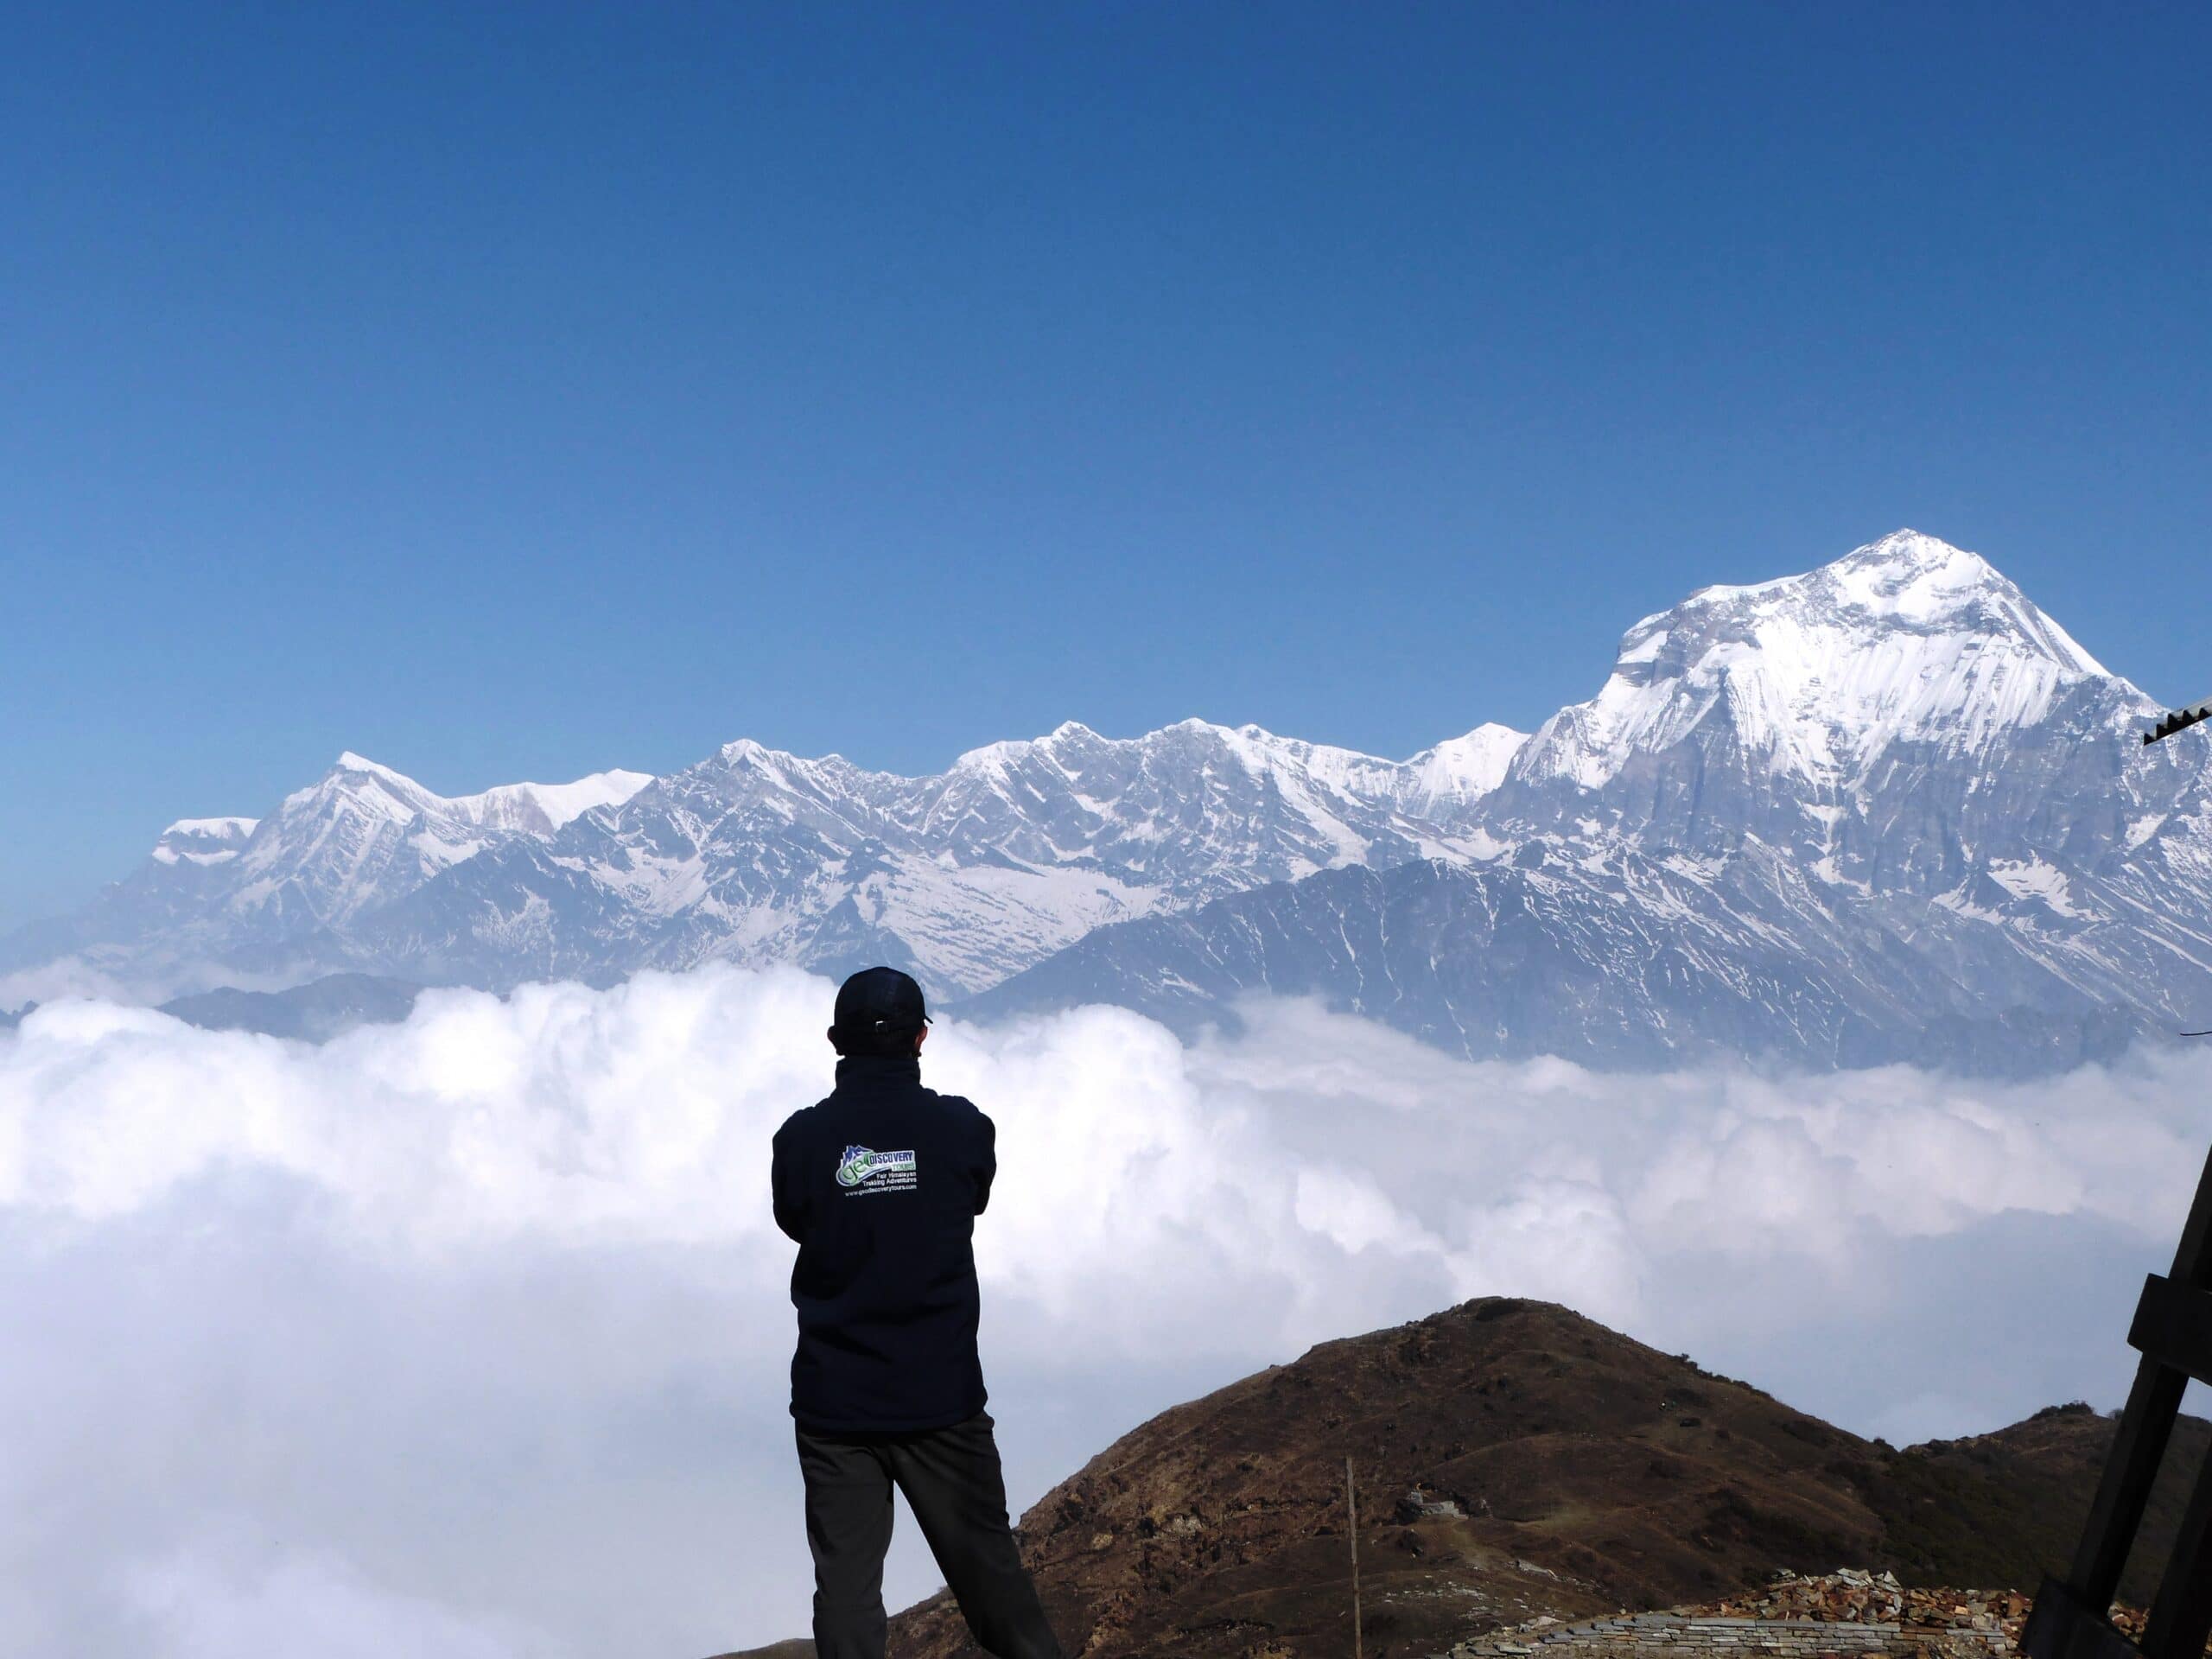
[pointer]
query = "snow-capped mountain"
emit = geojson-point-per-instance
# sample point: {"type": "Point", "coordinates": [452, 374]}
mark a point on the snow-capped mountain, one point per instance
{"type": "Point", "coordinates": [1819, 677]}
{"type": "Point", "coordinates": [1884, 809]}
{"type": "Point", "coordinates": [274, 900]}
{"type": "Point", "coordinates": [1902, 722]}
{"type": "Point", "coordinates": [364, 834]}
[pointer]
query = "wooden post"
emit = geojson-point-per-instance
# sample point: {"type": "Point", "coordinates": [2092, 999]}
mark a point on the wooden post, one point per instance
{"type": "Point", "coordinates": [2173, 1332]}
{"type": "Point", "coordinates": [1351, 1513]}
{"type": "Point", "coordinates": [2140, 1443]}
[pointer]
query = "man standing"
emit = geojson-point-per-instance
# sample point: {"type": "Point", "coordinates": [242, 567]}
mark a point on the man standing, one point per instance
{"type": "Point", "coordinates": [881, 1185]}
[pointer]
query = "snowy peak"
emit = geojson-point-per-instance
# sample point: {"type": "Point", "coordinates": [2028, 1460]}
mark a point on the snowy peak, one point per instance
{"type": "Point", "coordinates": [356, 786]}
{"type": "Point", "coordinates": [364, 834]}
{"type": "Point", "coordinates": [203, 841]}
{"type": "Point", "coordinates": [1818, 675]}
{"type": "Point", "coordinates": [748, 773]}
{"type": "Point", "coordinates": [540, 809]}
{"type": "Point", "coordinates": [1333, 803]}
{"type": "Point", "coordinates": [1915, 577]}
{"type": "Point", "coordinates": [349, 761]}
{"type": "Point", "coordinates": [1071, 741]}
{"type": "Point", "coordinates": [1462, 769]}
{"type": "Point", "coordinates": [1205, 796]}
{"type": "Point", "coordinates": [1907, 582]}
{"type": "Point", "coordinates": [360, 784]}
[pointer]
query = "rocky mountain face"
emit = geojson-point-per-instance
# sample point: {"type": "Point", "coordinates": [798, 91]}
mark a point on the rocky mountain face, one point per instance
{"type": "Point", "coordinates": [1886, 810]}
{"type": "Point", "coordinates": [1516, 1460]}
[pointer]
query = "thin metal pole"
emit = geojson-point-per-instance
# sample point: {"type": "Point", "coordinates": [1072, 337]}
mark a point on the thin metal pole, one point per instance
{"type": "Point", "coordinates": [1352, 1511]}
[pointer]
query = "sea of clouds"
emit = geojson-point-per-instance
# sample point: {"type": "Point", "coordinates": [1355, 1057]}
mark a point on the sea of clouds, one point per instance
{"type": "Point", "coordinates": [465, 1338]}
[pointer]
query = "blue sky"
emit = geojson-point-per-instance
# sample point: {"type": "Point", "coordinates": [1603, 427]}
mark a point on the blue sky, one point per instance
{"type": "Point", "coordinates": [510, 393]}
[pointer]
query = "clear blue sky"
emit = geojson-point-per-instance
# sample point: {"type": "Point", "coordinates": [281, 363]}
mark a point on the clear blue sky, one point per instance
{"type": "Point", "coordinates": [514, 392]}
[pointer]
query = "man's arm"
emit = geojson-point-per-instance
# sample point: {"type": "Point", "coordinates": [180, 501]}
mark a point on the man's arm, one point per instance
{"type": "Point", "coordinates": [987, 1166]}
{"type": "Point", "coordinates": [789, 1192]}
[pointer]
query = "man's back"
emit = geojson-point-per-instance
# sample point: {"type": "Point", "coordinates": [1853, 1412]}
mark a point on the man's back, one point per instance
{"type": "Point", "coordinates": [881, 1185]}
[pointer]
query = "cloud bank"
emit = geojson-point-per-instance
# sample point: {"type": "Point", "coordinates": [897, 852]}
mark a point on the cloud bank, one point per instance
{"type": "Point", "coordinates": [465, 1337]}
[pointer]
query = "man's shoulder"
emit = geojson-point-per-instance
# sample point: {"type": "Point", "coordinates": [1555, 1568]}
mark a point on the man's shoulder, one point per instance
{"type": "Point", "coordinates": [798, 1121]}
{"type": "Point", "coordinates": [958, 1108]}
{"type": "Point", "coordinates": [950, 1102]}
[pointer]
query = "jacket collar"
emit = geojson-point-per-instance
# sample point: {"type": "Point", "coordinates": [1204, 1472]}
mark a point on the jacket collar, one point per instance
{"type": "Point", "coordinates": [865, 1069]}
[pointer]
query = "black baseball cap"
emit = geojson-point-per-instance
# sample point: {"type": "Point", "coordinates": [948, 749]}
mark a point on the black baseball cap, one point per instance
{"type": "Point", "coordinates": [880, 999]}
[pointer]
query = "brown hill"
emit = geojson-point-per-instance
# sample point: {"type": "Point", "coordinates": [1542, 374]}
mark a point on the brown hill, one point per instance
{"type": "Point", "coordinates": [2001, 1509]}
{"type": "Point", "coordinates": [1513, 1459]}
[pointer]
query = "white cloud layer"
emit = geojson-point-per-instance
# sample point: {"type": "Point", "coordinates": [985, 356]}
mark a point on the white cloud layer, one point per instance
{"type": "Point", "coordinates": [465, 1337]}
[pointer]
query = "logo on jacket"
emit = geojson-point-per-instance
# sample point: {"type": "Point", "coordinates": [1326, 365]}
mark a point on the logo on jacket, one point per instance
{"type": "Point", "coordinates": [861, 1167]}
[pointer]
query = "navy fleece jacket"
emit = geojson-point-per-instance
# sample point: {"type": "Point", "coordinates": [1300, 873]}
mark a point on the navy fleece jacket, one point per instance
{"type": "Point", "coordinates": [881, 1185]}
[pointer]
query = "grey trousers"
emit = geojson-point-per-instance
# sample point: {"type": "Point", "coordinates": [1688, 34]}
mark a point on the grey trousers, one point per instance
{"type": "Point", "coordinates": [952, 1480]}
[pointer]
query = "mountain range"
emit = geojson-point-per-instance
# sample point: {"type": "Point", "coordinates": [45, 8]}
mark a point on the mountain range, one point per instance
{"type": "Point", "coordinates": [1887, 809]}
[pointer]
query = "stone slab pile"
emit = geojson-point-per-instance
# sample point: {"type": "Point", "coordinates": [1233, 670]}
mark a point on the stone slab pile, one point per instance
{"type": "Point", "coordinates": [1835, 1614]}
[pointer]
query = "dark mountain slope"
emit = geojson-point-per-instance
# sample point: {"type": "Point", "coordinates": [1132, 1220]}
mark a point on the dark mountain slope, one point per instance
{"type": "Point", "coordinates": [1620, 962]}
{"type": "Point", "coordinates": [1998, 1508]}
{"type": "Point", "coordinates": [316, 1012]}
